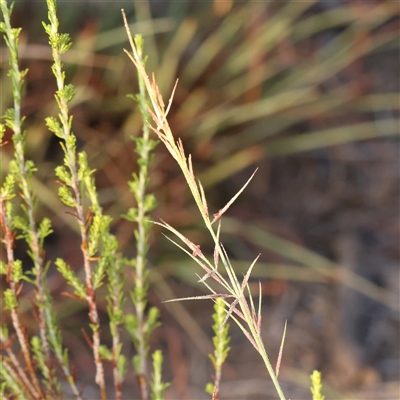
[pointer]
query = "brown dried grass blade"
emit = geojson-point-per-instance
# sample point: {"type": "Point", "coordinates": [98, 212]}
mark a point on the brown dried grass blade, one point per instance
{"type": "Point", "coordinates": [157, 91]}
{"type": "Point", "coordinates": [196, 252]}
{"type": "Point", "coordinates": [250, 339]}
{"type": "Point", "coordinates": [216, 252]}
{"type": "Point", "coordinates": [219, 214]}
{"type": "Point", "coordinates": [204, 297]}
{"type": "Point", "coordinates": [203, 198]}
{"type": "Point", "coordinates": [247, 276]}
{"type": "Point", "coordinates": [228, 314]}
{"type": "Point", "coordinates": [278, 362]}
{"type": "Point", "coordinates": [259, 316]}
{"type": "Point", "coordinates": [171, 98]}
{"type": "Point", "coordinates": [209, 273]}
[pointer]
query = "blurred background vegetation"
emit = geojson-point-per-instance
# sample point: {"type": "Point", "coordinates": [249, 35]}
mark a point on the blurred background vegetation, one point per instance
{"type": "Point", "coordinates": [308, 92]}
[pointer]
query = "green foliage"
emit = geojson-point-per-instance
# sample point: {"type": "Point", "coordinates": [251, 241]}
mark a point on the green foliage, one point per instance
{"type": "Point", "coordinates": [21, 223]}
{"type": "Point", "coordinates": [69, 275]}
{"type": "Point", "coordinates": [96, 229]}
{"type": "Point", "coordinates": [122, 364]}
{"type": "Point", "coordinates": [54, 126]}
{"type": "Point", "coordinates": [59, 41]}
{"type": "Point", "coordinates": [140, 326]}
{"type": "Point", "coordinates": [316, 386]}
{"type": "Point", "coordinates": [112, 262]}
{"type": "Point", "coordinates": [3, 268]}
{"type": "Point", "coordinates": [63, 175]}
{"type": "Point", "coordinates": [11, 36]}
{"type": "Point", "coordinates": [221, 342]}
{"type": "Point", "coordinates": [44, 230]}
{"type": "Point", "coordinates": [105, 353]}
{"type": "Point", "coordinates": [17, 272]}
{"type": "Point", "coordinates": [24, 222]}
{"type": "Point", "coordinates": [66, 196]}
{"type": "Point", "coordinates": [157, 386]}
{"type": "Point", "coordinates": [67, 93]}
{"type": "Point", "coordinates": [3, 333]}
{"type": "Point", "coordinates": [49, 378]}
{"type": "Point", "coordinates": [10, 300]}
{"type": "Point", "coordinates": [221, 339]}
{"type": "Point", "coordinates": [9, 382]}
{"type": "Point", "coordinates": [7, 190]}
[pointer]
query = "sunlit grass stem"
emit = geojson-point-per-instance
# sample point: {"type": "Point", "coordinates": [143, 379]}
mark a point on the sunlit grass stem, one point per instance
{"type": "Point", "coordinates": [159, 114]}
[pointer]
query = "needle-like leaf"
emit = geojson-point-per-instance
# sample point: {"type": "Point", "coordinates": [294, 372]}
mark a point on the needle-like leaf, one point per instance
{"type": "Point", "coordinates": [278, 362]}
{"type": "Point", "coordinates": [203, 297]}
{"type": "Point", "coordinates": [228, 314]}
{"type": "Point", "coordinates": [219, 214]}
{"type": "Point", "coordinates": [171, 98]}
{"type": "Point", "coordinates": [209, 270]}
{"type": "Point", "coordinates": [259, 308]}
{"type": "Point", "coordinates": [194, 247]}
{"type": "Point", "coordinates": [203, 198]}
{"type": "Point", "coordinates": [216, 252]}
{"type": "Point", "coordinates": [247, 276]}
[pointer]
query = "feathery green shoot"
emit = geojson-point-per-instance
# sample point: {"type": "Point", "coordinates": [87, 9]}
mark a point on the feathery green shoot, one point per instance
{"type": "Point", "coordinates": [21, 171]}
{"type": "Point", "coordinates": [140, 325]}
{"type": "Point", "coordinates": [221, 346]}
{"type": "Point", "coordinates": [316, 386]}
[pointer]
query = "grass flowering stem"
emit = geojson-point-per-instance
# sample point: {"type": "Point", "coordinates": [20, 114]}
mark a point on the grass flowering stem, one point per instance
{"type": "Point", "coordinates": [161, 127]}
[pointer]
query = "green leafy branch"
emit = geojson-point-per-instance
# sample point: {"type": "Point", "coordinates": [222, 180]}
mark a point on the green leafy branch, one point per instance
{"type": "Point", "coordinates": [21, 171]}
{"type": "Point", "coordinates": [77, 182]}
{"type": "Point", "coordinates": [221, 347]}
{"type": "Point", "coordinates": [140, 325]}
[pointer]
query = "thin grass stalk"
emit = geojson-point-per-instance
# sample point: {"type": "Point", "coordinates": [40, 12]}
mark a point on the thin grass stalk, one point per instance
{"type": "Point", "coordinates": [159, 114]}
{"type": "Point", "coordinates": [143, 13]}
{"type": "Point", "coordinates": [256, 336]}
{"type": "Point", "coordinates": [59, 44]}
